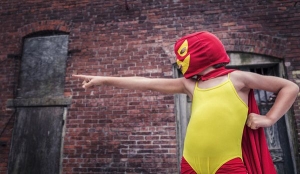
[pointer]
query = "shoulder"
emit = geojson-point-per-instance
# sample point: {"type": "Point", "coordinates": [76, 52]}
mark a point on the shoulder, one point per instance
{"type": "Point", "coordinates": [244, 76]}
{"type": "Point", "coordinates": [238, 74]}
{"type": "Point", "coordinates": [239, 79]}
{"type": "Point", "coordinates": [189, 85]}
{"type": "Point", "coordinates": [247, 79]}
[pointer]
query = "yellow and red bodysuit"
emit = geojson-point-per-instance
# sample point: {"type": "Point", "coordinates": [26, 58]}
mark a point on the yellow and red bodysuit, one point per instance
{"type": "Point", "coordinates": [218, 115]}
{"type": "Point", "coordinates": [214, 133]}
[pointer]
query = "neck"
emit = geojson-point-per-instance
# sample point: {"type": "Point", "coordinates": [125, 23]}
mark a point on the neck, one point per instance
{"type": "Point", "coordinates": [214, 73]}
{"type": "Point", "coordinates": [207, 70]}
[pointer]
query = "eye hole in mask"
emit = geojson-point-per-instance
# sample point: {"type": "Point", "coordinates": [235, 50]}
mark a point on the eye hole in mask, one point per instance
{"type": "Point", "coordinates": [183, 49]}
{"type": "Point", "coordinates": [182, 52]}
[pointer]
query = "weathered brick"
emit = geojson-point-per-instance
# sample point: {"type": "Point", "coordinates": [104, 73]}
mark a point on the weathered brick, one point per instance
{"type": "Point", "coordinates": [105, 121]}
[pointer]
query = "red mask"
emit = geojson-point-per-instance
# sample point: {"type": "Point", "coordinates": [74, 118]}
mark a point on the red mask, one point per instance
{"type": "Point", "coordinates": [198, 51]}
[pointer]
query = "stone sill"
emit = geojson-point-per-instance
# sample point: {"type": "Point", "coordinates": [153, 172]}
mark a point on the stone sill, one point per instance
{"type": "Point", "coordinates": [29, 102]}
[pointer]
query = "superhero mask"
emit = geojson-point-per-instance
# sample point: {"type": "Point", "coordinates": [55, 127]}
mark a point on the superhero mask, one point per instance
{"type": "Point", "coordinates": [198, 51]}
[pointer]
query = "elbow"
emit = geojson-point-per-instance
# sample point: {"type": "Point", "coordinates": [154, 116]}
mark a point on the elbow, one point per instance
{"type": "Point", "coordinates": [294, 89]}
{"type": "Point", "coordinates": [291, 89]}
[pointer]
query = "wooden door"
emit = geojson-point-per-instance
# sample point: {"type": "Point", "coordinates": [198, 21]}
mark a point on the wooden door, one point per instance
{"type": "Point", "coordinates": [41, 107]}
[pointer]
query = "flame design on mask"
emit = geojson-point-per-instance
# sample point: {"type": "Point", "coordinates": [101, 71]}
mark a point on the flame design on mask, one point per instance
{"type": "Point", "coordinates": [182, 51]}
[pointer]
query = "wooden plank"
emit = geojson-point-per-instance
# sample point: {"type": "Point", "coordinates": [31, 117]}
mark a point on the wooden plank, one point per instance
{"type": "Point", "coordinates": [36, 140]}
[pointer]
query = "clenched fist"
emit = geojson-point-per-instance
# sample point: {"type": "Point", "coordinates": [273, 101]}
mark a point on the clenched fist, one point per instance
{"type": "Point", "coordinates": [255, 121]}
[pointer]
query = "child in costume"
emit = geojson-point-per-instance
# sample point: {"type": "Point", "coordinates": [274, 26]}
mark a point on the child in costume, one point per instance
{"type": "Point", "coordinates": [225, 133]}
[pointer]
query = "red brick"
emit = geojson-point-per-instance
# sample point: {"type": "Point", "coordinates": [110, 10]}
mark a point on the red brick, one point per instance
{"type": "Point", "coordinates": [120, 42]}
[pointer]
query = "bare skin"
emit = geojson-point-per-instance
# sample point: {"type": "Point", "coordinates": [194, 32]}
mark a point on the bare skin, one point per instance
{"type": "Point", "coordinates": [286, 91]}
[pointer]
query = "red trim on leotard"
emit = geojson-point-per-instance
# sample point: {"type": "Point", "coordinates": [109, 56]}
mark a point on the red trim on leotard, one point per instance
{"type": "Point", "coordinates": [186, 168]}
{"type": "Point", "coordinates": [235, 166]}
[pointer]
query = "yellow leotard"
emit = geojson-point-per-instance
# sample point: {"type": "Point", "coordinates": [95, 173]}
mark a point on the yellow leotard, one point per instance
{"type": "Point", "coordinates": [214, 133]}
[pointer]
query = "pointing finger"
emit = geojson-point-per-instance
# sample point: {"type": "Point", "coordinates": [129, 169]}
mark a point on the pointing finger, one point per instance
{"type": "Point", "coordinates": [81, 76]}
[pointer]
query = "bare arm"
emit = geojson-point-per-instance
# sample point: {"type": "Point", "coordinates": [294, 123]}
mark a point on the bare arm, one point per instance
{"type": "Point", "coordinates": [164, 85]}
{"type": "Point", "coordinates": [286, 91]}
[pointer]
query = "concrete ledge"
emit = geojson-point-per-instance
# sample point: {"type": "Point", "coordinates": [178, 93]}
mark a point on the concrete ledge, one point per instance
{"type": "Point", "coordinates": [54, 101]}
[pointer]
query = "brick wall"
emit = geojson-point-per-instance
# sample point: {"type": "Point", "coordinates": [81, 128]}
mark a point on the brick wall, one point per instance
{"type": "Point", "coordinates": [115, 130]}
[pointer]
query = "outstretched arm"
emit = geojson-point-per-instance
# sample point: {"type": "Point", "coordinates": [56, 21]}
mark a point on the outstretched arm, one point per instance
{"type": "Point", "coordinates": [286, 91]}
{"type": "Point", "coordinates": [164, 85]}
